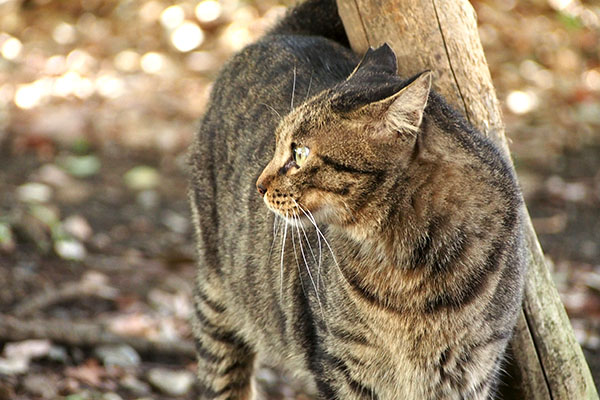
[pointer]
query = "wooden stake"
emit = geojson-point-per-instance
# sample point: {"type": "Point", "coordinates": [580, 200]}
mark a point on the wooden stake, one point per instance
{"type": "Point", "coordinates": [442, 36]}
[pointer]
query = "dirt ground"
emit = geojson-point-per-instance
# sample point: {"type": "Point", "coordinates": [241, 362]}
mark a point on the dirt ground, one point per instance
{"type": "Point", "coordinates": [98, 103]}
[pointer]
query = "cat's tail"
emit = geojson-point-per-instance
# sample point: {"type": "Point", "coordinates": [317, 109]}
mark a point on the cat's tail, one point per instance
{"type": "Point", "coordinates": [313, 18]}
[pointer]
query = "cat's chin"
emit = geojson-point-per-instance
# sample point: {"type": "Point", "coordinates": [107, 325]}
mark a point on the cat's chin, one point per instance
{"type": "Point", "coordinates": [305, 218]}
{"type": "Point", "coordinates": [310, 218]}
{"type": "Point", "coordinates": [297, 220]}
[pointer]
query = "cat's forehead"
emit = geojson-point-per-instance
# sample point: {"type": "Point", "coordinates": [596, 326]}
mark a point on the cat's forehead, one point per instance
{"type": "Point", "coordinates": [301, 124]}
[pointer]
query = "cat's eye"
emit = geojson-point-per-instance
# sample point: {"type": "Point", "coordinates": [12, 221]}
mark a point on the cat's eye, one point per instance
{"type": "Point", "coordinates": [300, 155]}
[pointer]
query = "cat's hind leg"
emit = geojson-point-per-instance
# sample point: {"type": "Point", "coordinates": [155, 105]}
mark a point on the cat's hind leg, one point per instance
{"type": "Point", "coordinates": [225, 362]}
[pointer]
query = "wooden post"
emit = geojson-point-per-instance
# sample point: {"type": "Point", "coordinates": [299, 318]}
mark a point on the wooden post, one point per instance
{"type": "Point", "coordinates": [547, 361]}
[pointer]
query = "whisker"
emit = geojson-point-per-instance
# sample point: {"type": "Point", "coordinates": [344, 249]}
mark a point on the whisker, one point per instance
{"type": "Point", "coordinates": [296, 257]}
{"type": "Point", "coordinates": [312, 219]}
{"type": "Point", "coordinates": [276, 224]}
{"type": "Point", "coordinates": [275, 231]}
{"type": "Point", "coordinates": [309, 85]}
{"type": "Point", "coordinates": [308, 268]}
{"type": "Point", "coordinates": [307, 241]}
{"type": "Point", "coordinates": [281, 266]}
{"type": "Point", "coordinates": [303, 255]}
{"type": "Point", "coordinates": [313, 253]}
{"type": "Point", "coordinates": [272, 109]}
{"type": "Point", "coordinates": [293, 89]}
{"type": "Point", "coordinates": [320, 260]}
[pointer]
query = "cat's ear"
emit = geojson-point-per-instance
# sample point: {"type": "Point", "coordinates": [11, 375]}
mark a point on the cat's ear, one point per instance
{"type": "Point", "coordinates": [379, 60]}
{"type": "Point", "coordinates": [402, 113]}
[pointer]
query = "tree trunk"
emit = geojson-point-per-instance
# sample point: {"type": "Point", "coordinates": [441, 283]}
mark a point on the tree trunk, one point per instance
{"type": "Point", "coordinates": [547, 362]}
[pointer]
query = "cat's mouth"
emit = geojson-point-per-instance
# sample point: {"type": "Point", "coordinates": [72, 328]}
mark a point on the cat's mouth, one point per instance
{"type": "Point", "coordinates": [286, 207]}
{"type": "Point", "coordinates": [289, 208]}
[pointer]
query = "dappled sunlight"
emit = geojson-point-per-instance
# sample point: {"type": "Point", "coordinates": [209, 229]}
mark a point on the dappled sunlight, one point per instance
{"type": "Point", "coordinates": [99, 102]}
{"type": "Point", "coordinates": [112, 56]}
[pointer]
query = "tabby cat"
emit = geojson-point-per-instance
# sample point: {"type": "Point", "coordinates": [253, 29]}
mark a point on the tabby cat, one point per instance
{"type": "Point", "coordinates": [382, 257]}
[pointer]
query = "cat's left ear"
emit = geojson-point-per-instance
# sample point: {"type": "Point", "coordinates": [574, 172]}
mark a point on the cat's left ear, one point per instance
{"type": "Point", "coordinates": [403, 111]}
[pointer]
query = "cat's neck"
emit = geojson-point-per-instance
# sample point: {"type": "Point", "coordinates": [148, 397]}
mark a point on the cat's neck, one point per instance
{"type": "Point", "coordinates": [390, 248]}
{"type": "Point", "coordinates": [379, 268]}
{"type": "Point", "coordinates": [385, 245]}
{"type": "Point", "coordinates": [392, 225]}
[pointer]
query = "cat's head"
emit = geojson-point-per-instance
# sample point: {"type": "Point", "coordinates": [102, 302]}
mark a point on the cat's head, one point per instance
{"type": "Point", "coordinates": [335, 153]}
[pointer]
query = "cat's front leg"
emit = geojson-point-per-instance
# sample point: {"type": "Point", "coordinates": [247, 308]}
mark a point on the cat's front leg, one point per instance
{"type": "Point", "coordinates": [339, 379]}
{"type": "Point", "coordinates": [225, 362]}
{"type": "Point", "coordinates": [470, 372]}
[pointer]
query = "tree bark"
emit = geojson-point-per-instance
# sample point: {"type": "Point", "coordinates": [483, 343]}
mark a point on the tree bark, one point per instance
{"type": "Point", "coordinates": [442, 36]}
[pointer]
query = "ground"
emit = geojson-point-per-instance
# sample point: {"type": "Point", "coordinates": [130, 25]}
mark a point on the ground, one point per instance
{"type": "Point", "coordinates": [98, 103]}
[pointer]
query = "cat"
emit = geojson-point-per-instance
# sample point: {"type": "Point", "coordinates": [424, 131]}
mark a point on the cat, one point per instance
{"type": "Point", "coordinates": [350, 225]}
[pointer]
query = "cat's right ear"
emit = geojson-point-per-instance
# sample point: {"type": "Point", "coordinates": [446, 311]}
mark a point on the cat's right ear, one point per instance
{"type": "Point", "coordinates": [402, 113]}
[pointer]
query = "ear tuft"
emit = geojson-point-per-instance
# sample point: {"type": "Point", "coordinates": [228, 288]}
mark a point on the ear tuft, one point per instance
{"type": "Point", "coordinates": [405, 112]}
{"type": "Point", "coordinates": [381, 60]}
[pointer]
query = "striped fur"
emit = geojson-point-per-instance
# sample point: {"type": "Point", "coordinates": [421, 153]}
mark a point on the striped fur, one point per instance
{"type": "Point", "coordinates": [389, 266]}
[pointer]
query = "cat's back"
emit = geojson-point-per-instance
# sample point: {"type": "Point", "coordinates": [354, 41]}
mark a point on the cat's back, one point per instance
{"type": "Point", "coordinates": [251, 95]}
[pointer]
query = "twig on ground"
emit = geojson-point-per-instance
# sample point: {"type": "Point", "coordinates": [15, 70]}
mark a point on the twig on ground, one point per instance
{"type": "Point", "coordinates": [85, 334]}
{"type": "Point", "coordinates": [92, 284]}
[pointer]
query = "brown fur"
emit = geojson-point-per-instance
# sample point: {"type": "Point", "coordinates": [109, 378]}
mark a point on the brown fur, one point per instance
{"type": "Point", "coordinates": [416, 291]}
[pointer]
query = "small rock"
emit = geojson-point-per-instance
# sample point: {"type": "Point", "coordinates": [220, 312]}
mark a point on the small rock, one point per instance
{"type": "Point", "coordinates": [101, 241]}
{"type": "Point", "coordinates": [48, 215]}
{"type": "Point", "coordinates": [95, 278]}
{"type": "Point", "coordinates": [173, 383]}
{"type": "Point", "coordinates": [51, 174]}
{"type": "Point", "coordinates": [13, 366]}
{"type": "Point", "coordinates": [17, 355]}
{"type": "Point", "coordinates": [575, 192]}
{"type": "Point", "coordinates": [175, 222]}
{"type": "Point", "coordinates": [70, 249]}
{"type": "Point", "coordinates": [111, 396]}
{"type": "Point", "coordinates": [142, 177]}
{"type": "Point", "coordinates": [148, 199]}
{"type": "Point", "coordinates": [75, 193]}
{"type": "Point", "coordinates": [7, 242]}
{"type": "Point", "coordinates": [177, 304]}
{"type": "Point", "coordinates": [58, 354]}
{"type": "Point", "coordinates": [131, 324]}
{"type": "Point", "coordinates": [118, 355]}
{"type": "Point", "coordinates": [34, 192]}
{"type": "Point", "coordinates": [84, 395]}
{"type": "Point", "coordinates": [34, 348]}
{"type": "Point", "coordinates": [134, 385]}
{"type": "Point", "coordinates": [81, 166]}
{"type": "Point", "coordinates": [41, 385]}
{"type": "Point", "coordinates": [78, 227]}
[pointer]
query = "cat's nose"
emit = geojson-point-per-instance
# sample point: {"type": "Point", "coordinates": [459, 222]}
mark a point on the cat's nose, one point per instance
{"type": "Point", "coordinates": [261, 189]}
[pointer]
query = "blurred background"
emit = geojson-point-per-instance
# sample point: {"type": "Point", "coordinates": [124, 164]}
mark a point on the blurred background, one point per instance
{"type": "Point", "coordinates": [98, 103]}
